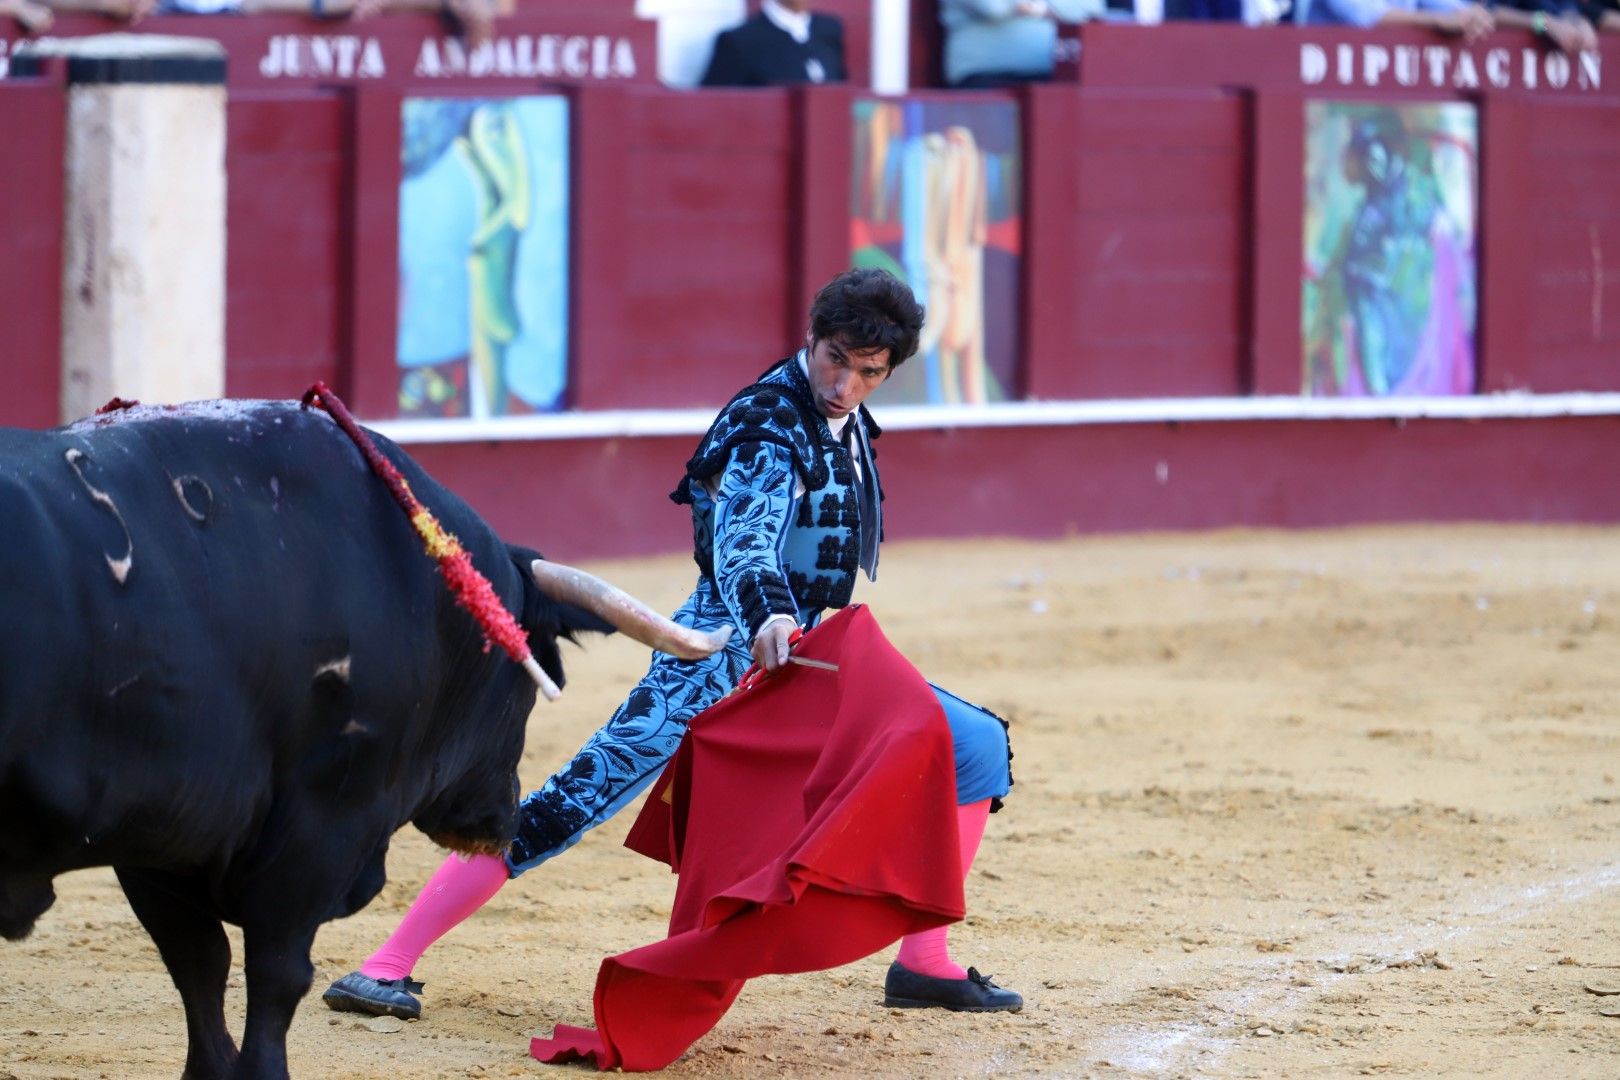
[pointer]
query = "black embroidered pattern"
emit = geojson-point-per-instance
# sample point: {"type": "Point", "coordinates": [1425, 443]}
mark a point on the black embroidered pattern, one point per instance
{"type": "Point", "coordinates": [843, 467]}
{"type": "Point", "coordinates": [845, 556]}
{"type": "Point", "coordinates": [773, 426]}
{"type": "Point", "coordinates": [760, 596]}
{"type": "Point", "coordinates": [824, 592]}
{"type": "Point", "coordinates": [779, 412]}
{"type": "Point", "coordinates": [835, 511]}
{"type": "Point", "coordinates": [1006, 729]}
{"type": "Point", "coordinates": [625, 754]}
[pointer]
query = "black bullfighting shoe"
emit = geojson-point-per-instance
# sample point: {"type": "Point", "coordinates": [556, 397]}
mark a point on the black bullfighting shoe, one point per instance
{"type": "Point", "coordinates": [905, 989]}
{"type": "Point", "coordinates": [379, 997]}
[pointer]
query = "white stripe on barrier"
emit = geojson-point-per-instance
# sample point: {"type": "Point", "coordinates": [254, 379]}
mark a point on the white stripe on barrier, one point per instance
{"type": "Point", "coordinates": [634, 423]}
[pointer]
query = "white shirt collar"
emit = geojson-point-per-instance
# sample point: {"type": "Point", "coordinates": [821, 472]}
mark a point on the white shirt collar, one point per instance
{"type": "Point", "coordinates": [796, 24]}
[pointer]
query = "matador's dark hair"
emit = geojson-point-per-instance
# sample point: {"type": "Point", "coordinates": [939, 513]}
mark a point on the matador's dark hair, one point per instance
{"type": "Point", "coordinates": [868, 309]}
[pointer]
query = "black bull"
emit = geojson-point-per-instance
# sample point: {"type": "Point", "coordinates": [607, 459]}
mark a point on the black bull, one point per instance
{"type": "Point", "coordinates": [229, 671]}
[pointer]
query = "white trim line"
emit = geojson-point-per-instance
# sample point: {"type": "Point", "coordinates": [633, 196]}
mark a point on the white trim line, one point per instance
{"type": "Point", "coordinates": [633, 423]}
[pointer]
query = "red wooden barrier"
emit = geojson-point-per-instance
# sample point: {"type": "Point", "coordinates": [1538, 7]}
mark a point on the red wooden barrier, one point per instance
{"type": "Point", "coordinates": [33, 117]}
{"type": "Point", "coordinates": [1137, 283]}
{"type": "Point", "coordinates": [684, 231]}
{"type": "Point", "coordinates": [1553, 245]}
{"type": "Point", "coordinates": [288, 249]}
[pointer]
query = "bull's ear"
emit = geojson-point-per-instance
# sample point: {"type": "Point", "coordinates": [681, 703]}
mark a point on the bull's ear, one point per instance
{"type": "Point", "coordinates": [570, 619]}
{"type": "Point", "coordinates": [544, 617]}
{"type": "Point", "coordinates": [547, 622]}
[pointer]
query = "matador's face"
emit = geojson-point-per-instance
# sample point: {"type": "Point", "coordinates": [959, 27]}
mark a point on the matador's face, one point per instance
{"type": "Point", "coordinates": [841, 378]}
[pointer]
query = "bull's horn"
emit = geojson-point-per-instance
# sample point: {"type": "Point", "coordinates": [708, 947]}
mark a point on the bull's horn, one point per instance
{"type": "Point", "coordinates": [627, 614]}
{"type": "Point", "coordinates": [541, 679]}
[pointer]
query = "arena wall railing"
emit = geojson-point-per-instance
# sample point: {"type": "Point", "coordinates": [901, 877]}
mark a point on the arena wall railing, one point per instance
{"type": "Point", "coordinates": [1157, 254]}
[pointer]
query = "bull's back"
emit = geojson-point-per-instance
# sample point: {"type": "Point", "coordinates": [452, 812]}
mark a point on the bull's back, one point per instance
{"type": "Point", "coordinates": [210, 597]}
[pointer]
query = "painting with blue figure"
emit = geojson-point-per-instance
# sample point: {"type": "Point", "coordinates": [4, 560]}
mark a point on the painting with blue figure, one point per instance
{"type": "Point", "coordinates": [483, 256]}
{"type": "Point", "coordinates": [935, 200]}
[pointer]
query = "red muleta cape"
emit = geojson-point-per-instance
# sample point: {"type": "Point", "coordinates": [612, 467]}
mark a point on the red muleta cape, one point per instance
{"type": "Point", "coordinates": [812, 821]}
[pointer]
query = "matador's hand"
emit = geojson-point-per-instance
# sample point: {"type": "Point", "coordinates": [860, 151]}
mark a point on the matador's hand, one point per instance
{"type": "Point", "coordinates": [771, 643]}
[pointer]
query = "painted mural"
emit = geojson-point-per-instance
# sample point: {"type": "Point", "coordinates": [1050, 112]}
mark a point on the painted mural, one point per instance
{"type": "Point", "coordinates": [937, 200]}
{"type": "Point", "coordinates": [1389, 286]}
{"type": "Point", "coordinates": [483, 257]}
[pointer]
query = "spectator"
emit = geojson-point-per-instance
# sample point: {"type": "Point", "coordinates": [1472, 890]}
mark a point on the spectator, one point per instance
{"type": "Point", "coordinates": [128, 10]}
{"type": "Point", "coordinates": [1603, 14]}
{"type": "Point", "coordinates": [1470, 20]}
{"type": "Point", "coordinates": [472, 20]}
{"type": "Point", "coordinates": [1559, 21]}
{"type": "Point", "coordinates": [1005, 42]}
{"type": "Point", "coordinates": [31, 17]}
{"type": "Point", "coordinates": [785, 44]}
{"type": "Point", "coordinates": [1204, 10]}
{"type": "Point", "coordinates": [208, 7]}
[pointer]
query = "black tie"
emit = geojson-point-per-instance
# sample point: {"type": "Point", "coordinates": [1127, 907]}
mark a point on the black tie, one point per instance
{"type": "Point", "coordinates": [865, 484]}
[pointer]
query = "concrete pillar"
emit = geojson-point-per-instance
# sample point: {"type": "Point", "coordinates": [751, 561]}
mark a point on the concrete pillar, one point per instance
{"type": "Point", "coordinates": [143, 288]}
{"type": "Point", "coordinates": [891, 46]}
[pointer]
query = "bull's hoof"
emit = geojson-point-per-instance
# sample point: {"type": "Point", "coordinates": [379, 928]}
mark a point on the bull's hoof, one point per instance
{"type": "Point", "coordinates": [379, 997]}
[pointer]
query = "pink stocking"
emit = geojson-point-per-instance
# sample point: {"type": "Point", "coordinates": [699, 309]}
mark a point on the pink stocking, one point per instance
{"type": "Point", "coordinates": [928, 952]}
{"type": "Point", "coordinates": [457, 889]}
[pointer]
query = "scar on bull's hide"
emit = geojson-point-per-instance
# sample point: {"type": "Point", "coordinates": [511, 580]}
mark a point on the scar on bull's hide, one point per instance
{"type": "Point", "coordinates": [120, 567]}
{"type": "Point", "coordinates": [340, 668]}
{"type": "Point", "coordinates": [192, 491]}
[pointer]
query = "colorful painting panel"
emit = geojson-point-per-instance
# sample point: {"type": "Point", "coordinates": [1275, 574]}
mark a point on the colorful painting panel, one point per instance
{"type": "Point", "coordinates": [483, 257]}
{"type": "Point", "coordinates": [1390, 278]}
{"type": "Point", "coordinates": [937, 199]}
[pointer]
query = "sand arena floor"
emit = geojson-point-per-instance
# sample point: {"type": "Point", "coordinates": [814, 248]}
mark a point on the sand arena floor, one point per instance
{"type": "Point", "coordinates": [1288, 805]}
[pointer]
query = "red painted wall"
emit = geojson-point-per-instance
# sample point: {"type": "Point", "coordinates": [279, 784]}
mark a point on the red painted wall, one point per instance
{"type": "Point", "coordinates": [1552, 245]}
{"type": "Point", "coordinates": [288, 245]}
{"type": "Point", "coordinates": [32, 116]}
{"type": "Point", "coordinates": [683, 243]}
{"type": "Point", "coordinates": [926, 55]}
{"type": "Point", "coordinates": [1137, 279]}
